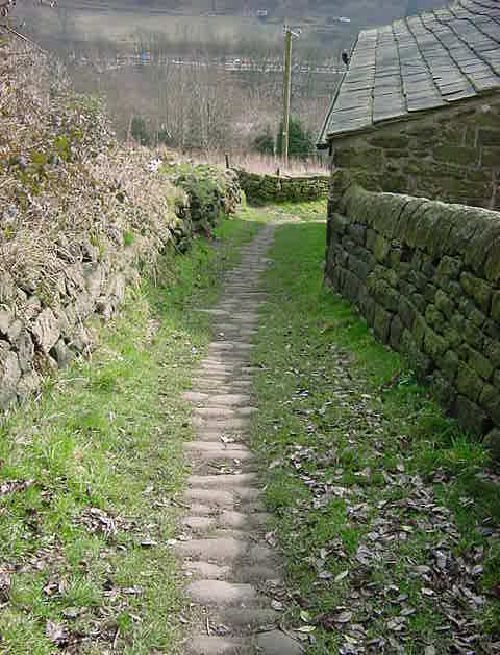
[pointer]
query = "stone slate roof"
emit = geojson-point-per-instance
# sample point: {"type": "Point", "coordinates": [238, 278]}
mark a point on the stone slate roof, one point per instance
{"type": "Point", "coordinates": [418, 63]}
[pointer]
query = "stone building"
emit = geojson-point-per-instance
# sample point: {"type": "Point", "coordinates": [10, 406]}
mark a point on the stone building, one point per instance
{"type": "Point", "coordinates": [418, 109]}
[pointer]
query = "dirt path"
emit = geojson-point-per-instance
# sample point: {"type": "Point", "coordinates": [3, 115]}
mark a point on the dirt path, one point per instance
{"type": "Point", "coordinates": [231, 567]}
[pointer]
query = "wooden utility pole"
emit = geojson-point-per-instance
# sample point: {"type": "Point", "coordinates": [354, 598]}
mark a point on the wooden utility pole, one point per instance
{"type": "Point", "coordinates": [287, 92]}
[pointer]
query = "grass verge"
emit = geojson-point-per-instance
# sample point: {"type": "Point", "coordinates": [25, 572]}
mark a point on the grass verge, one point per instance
{"type": "Point", "coordinates": [89, 475]}
{"type": "Point", "coordinates": [386, 514]}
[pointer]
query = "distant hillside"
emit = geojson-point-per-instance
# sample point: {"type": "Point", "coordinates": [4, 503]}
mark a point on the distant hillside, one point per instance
{"type": "Point", "coordinates": [362, 12]}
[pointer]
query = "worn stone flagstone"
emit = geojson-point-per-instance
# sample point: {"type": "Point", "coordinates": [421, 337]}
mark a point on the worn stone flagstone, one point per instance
{"type": "Point", "coordinates": [225, 556]}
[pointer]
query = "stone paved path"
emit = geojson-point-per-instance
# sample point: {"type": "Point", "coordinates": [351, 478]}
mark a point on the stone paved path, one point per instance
{"type": "Point", "coordinates": [228, 563]}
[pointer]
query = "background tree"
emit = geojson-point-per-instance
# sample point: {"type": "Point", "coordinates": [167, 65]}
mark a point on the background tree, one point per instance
{"type": "Point", "coordinates": [300, 142]}
{"type": "Point", "coordinates": [264, 143]}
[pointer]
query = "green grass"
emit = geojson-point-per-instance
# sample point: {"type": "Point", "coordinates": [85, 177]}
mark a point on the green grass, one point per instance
{"type": "Point", "coordinates": [347, 438]}
{"type": "Point", "coordinates": [85, 544]}
{"type": "Point", "coordinates": [305, 211]}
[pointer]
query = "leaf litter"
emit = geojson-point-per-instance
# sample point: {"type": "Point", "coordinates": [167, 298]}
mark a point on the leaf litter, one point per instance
{"type": "Point", "coordinates": [409, 561]}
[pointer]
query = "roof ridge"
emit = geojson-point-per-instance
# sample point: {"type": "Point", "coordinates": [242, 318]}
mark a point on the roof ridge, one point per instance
{"type": "Point", "coordinates": [452, 9]}
{"type": "Point", "coordinates": [417, 64]}
{"type": "Point", "coordinates": [420, 51]}
{"type": "Point", "coordinates": [450, 53]}
{"type": "Point", "coordinates": [403, 90]}
{"type": "Point", "coordinates": [467, 44]}
{"type": "Point", "coordinates": [321, 137]}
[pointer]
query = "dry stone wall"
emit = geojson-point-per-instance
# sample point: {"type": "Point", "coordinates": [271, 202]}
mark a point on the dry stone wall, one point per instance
{"type": "Point", "coordinates": [264, 189]}
{"type": "Point", "coordinates": [450, 155]}
{"type": "Point", "coordinates": [42, 328]}
{"type": "Point", "coordinates": [426, 276]}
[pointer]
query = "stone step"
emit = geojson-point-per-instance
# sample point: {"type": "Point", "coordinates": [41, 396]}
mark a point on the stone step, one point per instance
{"type": "Point", "coordinates": [223, 412]}
{"type": "Point", "coordinates": [223, 481]}
{"type": "Point", "coordinates": [217, 450]}
{"type": "Point", "coordinates": [223, 425]}
{"type": "Point", "coordinates": [257, 574]}
{"type": "Point", "coordinates": [275, 642]}
{"type": "Point", "coordinates": [222, 593]}
{"type": "Point", "coordinates": [215, 646]}
{"type": "Point", "coordinates": [224, 499]}
{"type": "Point", "coordinates": [225, 550]}
{"type": "Point", "coordinates": [231, 346]}
{"type": "Point", "coordinates": [207, 570]}
{"type": "Point", "coordinates": [221, 384]}
{"type": "Point", "coordinates": [218, 366]}
{"type": "Point", "coordinates": [226, 519]}
{"type": "Point", "coordinates": [219, 433]}
{"type": "Point", "coordinates": [218, 399]}
{"type": "Point", "coordinates": [244, 621]}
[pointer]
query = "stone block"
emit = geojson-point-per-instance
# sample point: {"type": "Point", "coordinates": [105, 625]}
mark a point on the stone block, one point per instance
{"type": "Point", "coordinates": [382, 324]}
{"type": "Point", "coordinates": [381, 249]}
{"type": "Point", "coordinates": [435, 318]}
{"type": "Point", "coordinates": [389, 140]}
{"type": "Point", "coordinates": [361, 268]}
{"type": "Point", "coordinates": [357, 232]}
{"type": "Point", "coordinates": [25, 351]}
{"type": "Point", "coordinates": [468, 383]}
{"type": "Point", "coordinates": [418, 330]}
{"type": "Point", "coordinates": [444, 303]}
{"type": "Point", "coordinates": [434, 344]}
{"type": "Point", "coordinates": [448, 364]}
{"type": "Point", "coordinates": [480, 364]}
{"type": "Point", "coordinates": [492, 262]}
{"type": "Point", "coordinates": [489, 398]}
{"type": "Point", "coordinates": [491, 328]}
{"type": "Point", "coordinates": [490, 157]}
{"type": "Point", "coordinates": [45, 330]}
{"type": "Point", "coordinates": [429, 293]}
{"type": "Point", "coordinates": [418, 279]}
{"type": "Point", "coordinates": [339, 223]}
{"type": "Point", "coordinates": [358, 157]}
{"type": "Point", "coordinates": [10, 374]}
{"type": "Point", "coordinates": [371, 238]}
{"type": "Point", "coordinates": [396, 332]}
{"type": "Point", "coordinates": [491, 350]}
{"type": "Point", "coordinates": [488, 137]}
{"type": "Point", "coordinates": [468, 309]}
{"type": "Point", "coordinates": [447, 269]}
{"type": "Point", "coordinates": [492, 442]}
{"type": "Point", "coordinates": [455, 154]}
{"type": "Point", "coordinates": [442, 389]}
{"type": "Point", "coordinates": [28, 385]}
{"type": "Point", "coordinates": [6, 318]}
{"type": "Point", "coordinates": [415, 357]}
{"type": "Point", "coordinates": [61, 353]}
{"type": "Point", "coordinates": [470, 416]}
{"type": "Point", "coordinates": [406, 311]}
{"type": "Point", "coordinates": [473, 335]}
{"type": "Point", "coordinates": [351, 286]}
{"type": "Point", "coordinates": [419, 301]}
{"type": "Point", "coordinates": [495, 306]}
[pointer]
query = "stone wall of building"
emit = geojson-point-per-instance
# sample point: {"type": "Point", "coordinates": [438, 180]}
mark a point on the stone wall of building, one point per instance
{"type": "Point", "coordinates": [451, 155]}
{"type": "Point", "coordinates": [426, 276]}
{"type": "Point", "coordinates": [264, 189]}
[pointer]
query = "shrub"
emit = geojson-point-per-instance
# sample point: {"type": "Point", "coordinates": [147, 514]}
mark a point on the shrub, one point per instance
{"type": "Point", "coordinates": [212, 192]}
{"type": "Point", "coordinates": [264, 143]}
{"type": "Point", "coordinates": [300, 143]}
{"type": "Point", "coordinates": [139, 130]}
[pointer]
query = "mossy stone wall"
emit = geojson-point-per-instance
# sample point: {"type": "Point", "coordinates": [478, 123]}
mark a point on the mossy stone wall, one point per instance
{"type": "Point", "coordinates": [41, 333]}
{"type": "Point", "coordinates": [447, 154]}
{"type": "Point", "coordinates": [426, 276]}
{"type": "Point", "coordinates": [264, 189]}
